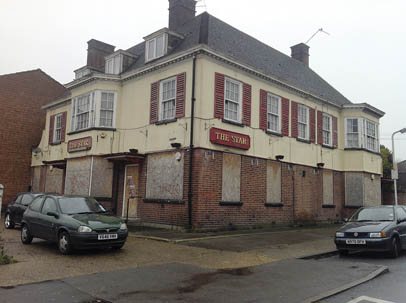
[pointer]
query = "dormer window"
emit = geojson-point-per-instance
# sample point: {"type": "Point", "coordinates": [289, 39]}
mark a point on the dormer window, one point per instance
{"type": "Point", "coordinates": [118, 62]}
{"type": "Point", "coordinates": [156, 47]}
{"type": "Point", "coordinates": [114, 65]}
{"type": "Point", "coordinates": [81, 72]}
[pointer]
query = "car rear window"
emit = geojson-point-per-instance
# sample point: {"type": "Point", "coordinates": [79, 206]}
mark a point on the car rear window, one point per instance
{"type": "Point", "coordinates": [36, 203]}
{"type": "Point", "coordinates": [77, 205]}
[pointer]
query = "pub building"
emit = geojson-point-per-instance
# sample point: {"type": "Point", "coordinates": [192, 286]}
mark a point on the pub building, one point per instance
{"type": "Point", "coordinates": [200, 125]}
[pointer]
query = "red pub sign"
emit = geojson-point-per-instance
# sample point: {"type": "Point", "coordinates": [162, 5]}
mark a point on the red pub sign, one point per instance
{"type": "Point", "coordinates": [79, 144]}
{"type": "Point", "coordinates": [225, 137]}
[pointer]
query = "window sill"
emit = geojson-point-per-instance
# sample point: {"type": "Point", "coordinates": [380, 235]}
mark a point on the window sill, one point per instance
{"type": "Point", "coordinates": [328, 146]}
{"type": "Point", "coordinates": [233, 122]}
{"type": "Point", "coordinates": [227, 203]}
{"type": "Point", "coordinates": [303, 140]}
{"type": "Point", "coordinates": [164, 122]}
{"type": "Point", "coordinates": [90, 129]}
{"type": "Point", "coordinates": [362, 149]}
{"type": "Point", "coordinates": [328, 206]}
{"type": "Point", "coordinates": [352, 206]}
{"type": "Point", "coordinates": [164, 201]}
{"type": "Point", "coordinates": [56, 143]}
{"type": "Point", "coordinates": [269, 132]}
{"type": "Point", "coordinates": [273, 204]}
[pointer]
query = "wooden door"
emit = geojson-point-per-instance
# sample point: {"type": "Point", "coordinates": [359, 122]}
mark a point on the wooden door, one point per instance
{"type": "Point", "coordinates": [131, 190]}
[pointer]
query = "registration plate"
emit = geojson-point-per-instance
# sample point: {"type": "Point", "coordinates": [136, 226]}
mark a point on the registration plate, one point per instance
{"type": "Point", "coordinates": [356, 242]}
{"type": "Point", "coordinates": [107, 236]}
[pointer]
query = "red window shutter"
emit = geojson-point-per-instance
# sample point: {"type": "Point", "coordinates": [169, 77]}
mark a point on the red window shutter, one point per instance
{"type": "Point", "coordinates": [246, 104]}
{"type": "Point", "coordinates": [154, 102]}
{"type": "Point", "coordinates": [312, 125]}
{"type": "Point", "coordinates": [63, 130]}
{"type": "Point", "coordinates": [285, 117]}
{"type": "Point", "coordinates": [180, 95]}
{"type": "Point", "coordinates": [263, 110]}
{"type": "Point", "coordinates": [294, 120]}
{"type": "Point", "coordinates": [319, 127]}
{"type": "Point", "coordinates": [335, 132]}
{"type": "Point", "coordinates": [219, 95]}
{"type": "Point", "coordinates": [51, 129]}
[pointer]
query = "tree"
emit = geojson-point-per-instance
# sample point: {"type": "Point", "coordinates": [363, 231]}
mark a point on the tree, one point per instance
{"type": "Point", "coordinates": [387, 165]}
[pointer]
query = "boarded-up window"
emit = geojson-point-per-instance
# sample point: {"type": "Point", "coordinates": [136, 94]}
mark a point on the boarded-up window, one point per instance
{"type": "Point", "coordinates": [273, 182]}
{"type": "Point", "coordinates": [328, 193]}
{"type": "Point", "coordinates": [354, 189]}
{"type": "Point", "coordinates": [164, 177]}
{"type": "Point", "coordinates": [231, 178]}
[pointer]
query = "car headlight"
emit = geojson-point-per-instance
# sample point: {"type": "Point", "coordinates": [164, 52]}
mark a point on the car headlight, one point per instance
{"type": "Point", "coordinates": [377, 235]}
{"type": "Point", "coordinates": [84, 229]}
{"type": "Point", "coordinates": [123, 226]}
{"type": "Point", "coordinates": [339, 235]}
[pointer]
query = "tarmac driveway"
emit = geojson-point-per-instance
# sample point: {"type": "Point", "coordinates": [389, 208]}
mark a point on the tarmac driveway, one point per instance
{"type": "Point", "coordinates": [41, 260]}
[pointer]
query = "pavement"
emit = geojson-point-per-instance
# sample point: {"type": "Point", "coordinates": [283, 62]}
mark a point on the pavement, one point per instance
{"type": "Point", "coordinates": [168, 266]}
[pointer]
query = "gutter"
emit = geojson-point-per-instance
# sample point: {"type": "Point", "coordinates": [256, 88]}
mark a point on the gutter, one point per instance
{"type": "Point", "coordinates": [191, 148]}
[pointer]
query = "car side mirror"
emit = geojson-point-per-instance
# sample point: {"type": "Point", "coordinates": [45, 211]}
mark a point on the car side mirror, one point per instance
{"type": "Point", "coordinates": [52, 214]}
{"type": "Point", "coordinates": [345, 220]}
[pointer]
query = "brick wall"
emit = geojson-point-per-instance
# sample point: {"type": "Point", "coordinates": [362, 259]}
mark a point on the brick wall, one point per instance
{"type": "Point", "coordinates": [302, 193]}
{"type": "Point", "coordinates": [22, 119]}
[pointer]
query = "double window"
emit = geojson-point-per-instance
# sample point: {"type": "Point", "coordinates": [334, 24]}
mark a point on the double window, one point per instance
{"type": "Point", "coordinates": [274, 113]}
{"type": "Point", "coordinates": [232, 100]}
{"type": "Point", "coordinates": [95, 109]}
{"type": "Point", "coordinates": [327, 130]}
{"type": "Point", "coordinates": [155, 47]}
{"type": "Point", "coordinates": [114, 65]}
{"type": "Point", "coordinates": [168, 99]}
{"type": "Point", "coordinates": [361, 133]}
{"type": "Point", "coordinates": [303, 122]}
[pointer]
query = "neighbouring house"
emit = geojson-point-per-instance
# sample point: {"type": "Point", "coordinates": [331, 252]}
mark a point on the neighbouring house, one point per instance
{"type": "Point", "coordinates": [202, 125]}
{"type": "Point", "coordinates": [22, 120]}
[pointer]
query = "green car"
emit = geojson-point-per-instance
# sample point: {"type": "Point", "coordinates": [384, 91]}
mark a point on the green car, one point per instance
{"type": "Point", "coordinates": [74, 222]}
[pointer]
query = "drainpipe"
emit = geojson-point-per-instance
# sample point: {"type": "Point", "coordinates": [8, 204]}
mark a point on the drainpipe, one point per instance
{"type": "Point", "coordinates": [191, 147]}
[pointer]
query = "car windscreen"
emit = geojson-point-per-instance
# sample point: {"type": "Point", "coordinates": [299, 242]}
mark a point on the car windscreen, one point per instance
{"type": "Point", "coordinates": [80, 205]}
{"type": "Point", "coordinates": [374, 214]}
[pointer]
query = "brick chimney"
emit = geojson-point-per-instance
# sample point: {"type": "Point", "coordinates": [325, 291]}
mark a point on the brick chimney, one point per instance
{"type": "Point", "coordinates": [96, 52]}
{"type": "Point", "coordinates": [180, 12]}
{"type": "Point", "coordinates": [300, 52]}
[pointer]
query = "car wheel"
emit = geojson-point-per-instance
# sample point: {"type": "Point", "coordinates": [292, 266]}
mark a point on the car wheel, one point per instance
{"type": "Point", "coordinates": [64, 243]}
{"type": "Point", "coordinates": [117, 247]}
{"type": "Point", "coordinates": [8, 223]}
{"type": "Point", "coordinates": [343, 252]}
{"type": "Point", "coordinates": [395, 249]}
{"type": "Point", "coordinates": [26, 236]}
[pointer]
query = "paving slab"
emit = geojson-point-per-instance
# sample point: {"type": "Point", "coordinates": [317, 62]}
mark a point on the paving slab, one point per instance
{"type": "Point", "coordinates": [290, 281]}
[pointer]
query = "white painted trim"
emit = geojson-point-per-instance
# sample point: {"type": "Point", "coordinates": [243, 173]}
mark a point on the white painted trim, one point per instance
{"type": "Point", "coordinates": [124, 187]}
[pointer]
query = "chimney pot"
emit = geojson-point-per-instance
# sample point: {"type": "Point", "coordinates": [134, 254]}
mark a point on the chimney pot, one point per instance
{"type": "Point", "coordinates": [180, 12]}
{"type": "Point", "coordinates": [300, 52]}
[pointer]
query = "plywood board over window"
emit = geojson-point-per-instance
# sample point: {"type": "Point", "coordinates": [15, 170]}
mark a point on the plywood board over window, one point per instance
{"type": "Point", "coordinates": [354, 189]}
{"type": "Point", "coordinates": [273, 182]}
{"type": "Point", "coordinates": [328, 193]}
{"type": "Point", "coordinates": [231, 183]}
{"type": "Point", "coordinates": [164, 177]}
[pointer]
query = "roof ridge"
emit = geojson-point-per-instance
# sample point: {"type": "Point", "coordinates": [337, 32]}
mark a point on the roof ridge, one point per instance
{"type": "Point", "coordinates": [22, 72]}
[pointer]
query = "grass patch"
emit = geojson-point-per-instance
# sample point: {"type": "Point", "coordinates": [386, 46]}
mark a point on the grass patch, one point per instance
{"type": "Point", "coordinates": [5, 259]}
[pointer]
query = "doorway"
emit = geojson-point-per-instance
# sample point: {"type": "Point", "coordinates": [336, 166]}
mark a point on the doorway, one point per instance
{"type": "Point", "coordinates": [131, 191]}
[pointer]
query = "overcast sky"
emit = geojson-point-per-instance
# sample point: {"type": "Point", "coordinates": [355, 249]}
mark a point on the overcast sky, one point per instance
{"type": "Point", "coordinates": [363, 57]}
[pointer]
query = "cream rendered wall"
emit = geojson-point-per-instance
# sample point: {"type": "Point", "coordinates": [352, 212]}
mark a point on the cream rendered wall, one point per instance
{"type": "Point", "coordinates": [134, 131]}
{"type": "Point", "coordinates": [265, 145]}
